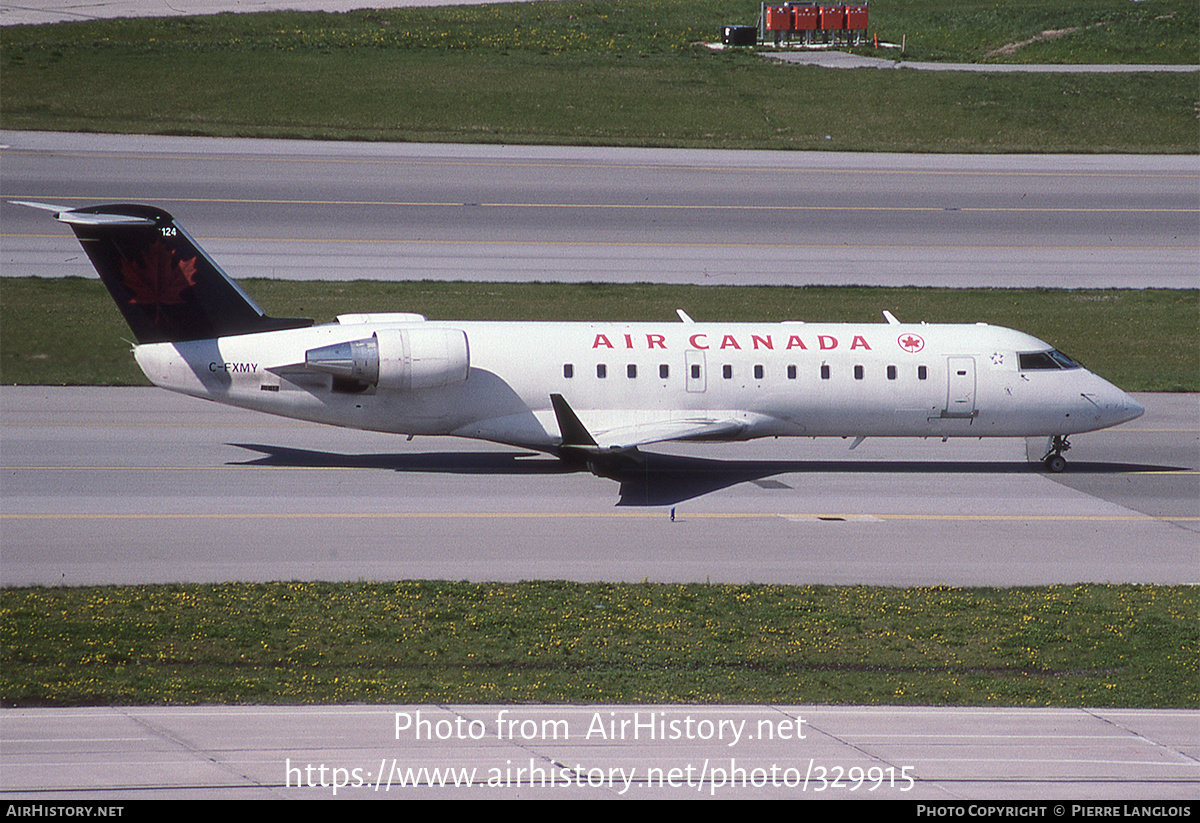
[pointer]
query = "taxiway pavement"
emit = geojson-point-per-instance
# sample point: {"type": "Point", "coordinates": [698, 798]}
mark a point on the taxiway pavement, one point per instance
{"type": "Point", "coordinates": [339, 211]}
{"type": "Point", "coordinates": [141, 486]}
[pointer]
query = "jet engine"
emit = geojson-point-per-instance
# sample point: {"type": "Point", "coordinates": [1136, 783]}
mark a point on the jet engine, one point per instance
{"type": "Point", "coordinates": [401, 359]}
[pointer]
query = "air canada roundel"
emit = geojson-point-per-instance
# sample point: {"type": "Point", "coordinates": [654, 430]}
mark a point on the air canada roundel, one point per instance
{"type": "Point", "coordinates": [911, 343]}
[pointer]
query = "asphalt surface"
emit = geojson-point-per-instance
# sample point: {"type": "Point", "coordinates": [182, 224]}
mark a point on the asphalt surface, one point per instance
{"type": "Point", "coordinates": [143, 486]}
{"type": "Point", "coordinates": [295, 209]}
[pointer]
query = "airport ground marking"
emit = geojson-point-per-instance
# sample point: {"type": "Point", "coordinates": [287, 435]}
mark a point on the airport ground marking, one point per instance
{"type": "Point", "coordinates": [774, 171]}
{"type": "Point", "coordinates": [655, 513]}
{"type": "Point", "coordinates": [752, 207]}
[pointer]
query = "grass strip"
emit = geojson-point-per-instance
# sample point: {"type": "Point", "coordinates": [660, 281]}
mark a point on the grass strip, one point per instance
{"type": "Point", "coordinates": [557, 642]}
{"type": "Point", "coordinates": [590, 72]}
{"type": "Point", "coordinates": [68, 332]}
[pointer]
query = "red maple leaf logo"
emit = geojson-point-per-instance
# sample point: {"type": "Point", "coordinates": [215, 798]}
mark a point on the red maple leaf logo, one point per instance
{"type": "Point", "coordinates": [911, 342]}
{"type": "Point", "coordinates": [157, 278]}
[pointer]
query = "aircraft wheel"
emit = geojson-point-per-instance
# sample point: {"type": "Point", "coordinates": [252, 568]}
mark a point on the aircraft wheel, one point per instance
{"type": "Point", "coordinates": [1055, 463]}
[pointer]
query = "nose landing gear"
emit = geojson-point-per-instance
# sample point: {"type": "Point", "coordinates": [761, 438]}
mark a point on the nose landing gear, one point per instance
{"type": "Point", "coordinates": [1053, 459]}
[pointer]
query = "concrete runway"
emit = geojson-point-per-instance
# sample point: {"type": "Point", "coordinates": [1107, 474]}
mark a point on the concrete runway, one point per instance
{"type": "Point", "coordinates": [142, 486]}
{"type": "Point", "coordinates": [304, 210]}
{"type": "Point", "coordinates": [546, 752]}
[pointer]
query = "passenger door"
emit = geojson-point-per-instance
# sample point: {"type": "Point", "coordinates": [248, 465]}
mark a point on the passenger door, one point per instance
{"type": "Point", "coordinates": [960, 387]}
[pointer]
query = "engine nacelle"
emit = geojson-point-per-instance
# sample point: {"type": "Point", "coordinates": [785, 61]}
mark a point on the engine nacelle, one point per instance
{"type": "Point", "coordinates": [401, 359]}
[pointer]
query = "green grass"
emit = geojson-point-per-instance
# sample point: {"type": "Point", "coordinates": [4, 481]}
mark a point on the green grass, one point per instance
{"type": "Point", "coordinates": [555, 642]}
{"type": "Point", "coordinates": [1156, 347]}
{"type": "Point", "coordinates": [1107, 31]}
{"type": "Point", "coordinates": [615, 74]}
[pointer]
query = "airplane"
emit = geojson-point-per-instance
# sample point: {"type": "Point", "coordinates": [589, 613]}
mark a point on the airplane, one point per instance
{"type": "Point", "coordinates": [590, 393]}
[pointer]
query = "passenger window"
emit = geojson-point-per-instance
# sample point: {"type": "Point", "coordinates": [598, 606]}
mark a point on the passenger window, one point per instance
{"type": "Point", "coordinates": [631, 371]}
{"type": "Point", "coordinates": [601, 371]}
{"type": "Point", "coordinates": [758, 372]}
{"type": "Point", "coordinates": [568, 370]}
{"type": "Point", "coordinates": [727, 372]}
{"type": "Point", "coordinates": [891, 372]}
{"type": "Point", "coordinates": [664, 371]}
{"type": "Point", "coordinates": [825, 372]}
{"type": "Point", "coordinates": [858, 372]}
{"type": "Point", "coordinates": [791, 372]}
{"type": "Point", "coordinates": [922, 372]}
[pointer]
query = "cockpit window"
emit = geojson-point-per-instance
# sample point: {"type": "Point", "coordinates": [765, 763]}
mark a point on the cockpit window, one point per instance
{"type": "Point", "coordinates": [1064, 361]}
{"type": "Point", "coordinates": [1032, 361]}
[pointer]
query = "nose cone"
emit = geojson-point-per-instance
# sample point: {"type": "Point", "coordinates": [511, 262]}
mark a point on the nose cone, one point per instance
{"type": "Point", "coordinates": [1110, 406]}
{"type": "Point", "coordinates": [1132, 411]}
{"type": "Point", "coordinates": [1116, 407]}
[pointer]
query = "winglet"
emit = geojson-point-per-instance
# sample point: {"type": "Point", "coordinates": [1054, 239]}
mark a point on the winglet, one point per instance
{"type": "Point", "coordinates": [891, 318]}
{"type": "Point", "coordinates": [573, 431]}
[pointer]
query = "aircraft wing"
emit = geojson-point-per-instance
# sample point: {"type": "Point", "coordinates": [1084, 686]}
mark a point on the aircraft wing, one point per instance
{"type": "Point", "coordinates": [628, 437]}
{"type": "Point", "coordinates": [615, 432]}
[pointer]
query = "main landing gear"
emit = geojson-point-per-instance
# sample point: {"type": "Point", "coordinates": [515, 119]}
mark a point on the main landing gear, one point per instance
{"type": "Point", "coordinates": [1054, 460]}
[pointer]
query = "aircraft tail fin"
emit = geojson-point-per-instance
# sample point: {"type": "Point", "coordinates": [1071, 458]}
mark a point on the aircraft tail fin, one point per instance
{"type": "Point", "coordinates": [165, 285]}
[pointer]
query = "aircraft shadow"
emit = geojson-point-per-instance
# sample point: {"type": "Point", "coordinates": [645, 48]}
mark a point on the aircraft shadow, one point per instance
{"type": "Point", "coordinates": [660, 480]}
{"type": "Point", "coordinates": [669, 479]}
{"type": "Point", "coordinates": [517, 463]}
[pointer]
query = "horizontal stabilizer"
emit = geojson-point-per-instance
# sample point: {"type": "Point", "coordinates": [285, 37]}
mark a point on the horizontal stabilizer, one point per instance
{"type": "Point", "coordinates": [43, 206]}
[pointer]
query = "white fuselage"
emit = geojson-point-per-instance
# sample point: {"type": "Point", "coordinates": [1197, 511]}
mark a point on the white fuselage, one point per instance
{"type": "Point", "coordinates": [637, 383]}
